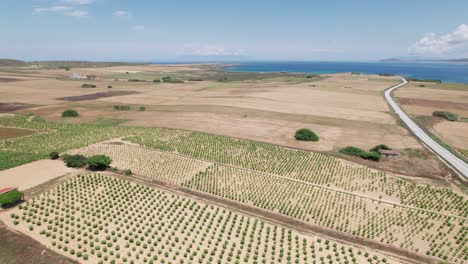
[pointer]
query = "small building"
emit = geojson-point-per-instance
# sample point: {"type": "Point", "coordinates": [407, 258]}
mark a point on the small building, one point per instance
{"type": "Point", "coordinates": [389, 153]}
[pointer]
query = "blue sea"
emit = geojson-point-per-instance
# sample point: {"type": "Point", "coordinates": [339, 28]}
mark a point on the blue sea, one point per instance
{"type": "Point", "coordinates": [445, 71]}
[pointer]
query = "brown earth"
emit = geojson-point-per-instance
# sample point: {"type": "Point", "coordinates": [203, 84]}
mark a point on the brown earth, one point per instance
{"type": "Point", "coordinates": [96, 96]}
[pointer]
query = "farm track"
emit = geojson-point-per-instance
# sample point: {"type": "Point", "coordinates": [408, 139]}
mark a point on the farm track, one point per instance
{"type": "Point", "coordinates": [381, 201]}
{"type": "Point", "coordinates": [403, 255]}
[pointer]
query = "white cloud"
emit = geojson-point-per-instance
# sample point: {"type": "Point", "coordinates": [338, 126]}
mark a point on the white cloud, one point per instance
{"type": "Point", "coordinates": [432, 43]}
{"type": "Point", "coordinates": [52, 9]}
{"type": "Point", "coordinates": [121, 13]}
{"type": "Point", "coordinates": [139, 28]}
{"type": "Point", "coordinates": [79, 2]}
{"type": "Point", "coordinates": [210, 50]}
{"type": "Point", "coordinates": [78, 13]}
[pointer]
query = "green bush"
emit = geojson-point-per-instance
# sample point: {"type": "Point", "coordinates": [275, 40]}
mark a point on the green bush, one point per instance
{"type": "Point", "coordinates": [193, 79]}
{"type": "Point", "coordinates": [74, 161]}
{"type": "Point", "coordinates": [305, 134]}
{"type": "Point", "coordinates": [70, 113]}
{"type": "Point", "coordinates": [10, 197]}
{"type": "Point", "coordinates": [156, 80]}
{"type": "Point", "coordinates": [54, 155]}
{"type": "Point", "coordinates": [128, 172]}
{"type": "Point", "coordinates": [99, 162]}
{"type": "Point", "coordinates": [446, 115]}
{"type": "Point", "coordinates": [353, 151]}
{"type": "Point", "coordinates": [142, 108]}
{"type": "Point", "coordinates": [87, 85]}
{"type": "Point", "coordinates": [379, 147]}
{"type": "Point", "coordinates": [168, 79]}
{"type": "Point", "coordinates": [109, 86]}
{"type": "Point", "coordinates": [135, 80]}
{"type": "Point", "coordinates": [122, 107]}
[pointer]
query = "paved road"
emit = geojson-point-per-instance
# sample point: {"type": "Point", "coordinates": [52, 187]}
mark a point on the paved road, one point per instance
{"type": "Point", "coordinates": [457, 163]}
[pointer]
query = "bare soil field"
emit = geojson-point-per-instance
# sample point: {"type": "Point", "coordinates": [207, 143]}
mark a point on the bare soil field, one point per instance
{"type": "Point", "coordinates": [30, 175]}
{"type": "Point", "coordinates": [96, 96]}
{"type": "Point", "coordinates": [8, 132]}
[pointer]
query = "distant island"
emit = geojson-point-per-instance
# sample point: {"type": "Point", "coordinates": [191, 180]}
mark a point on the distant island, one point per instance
{"type": "Point", "coordinates": [426, 60]}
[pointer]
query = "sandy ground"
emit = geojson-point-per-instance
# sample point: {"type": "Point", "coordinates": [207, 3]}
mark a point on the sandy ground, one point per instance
{"type": "Point", "coordinates": [33, 174]}
{"type": "Point", "coordinates": [455, 133]}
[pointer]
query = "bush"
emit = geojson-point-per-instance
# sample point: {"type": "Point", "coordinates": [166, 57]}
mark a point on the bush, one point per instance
{"type": "Point", "coordinates": [168, 79]}
{"type": "Point", "coordinates": [446, 115]}
{"type": "Point", "coordinates": [128, 172]}
{"type": "Point", "coordinates": [142, 108]}
{"type": "Point", "coordinates": [353, 151]}
{"type": "Point", "coordinates": [99, 162]}
{"type": "Point", "coordinates": [74, 161]}
{"type": "Point", "coordinates": [379, 147]}
{"type": "Point", "coordinates": [195, 79]}
{"type": "Point", "coordinates": [10, 197]}
{"type": "Point", "coordinates": [70, 113]}
{"type": "Point", "coordinates": [156, 80]}
{"type": "Point", "coordinates": [122, 107]}
{"type": "Point", "coordinates": [54, 155]}
{"type": "Point", "coordinates": [109, 86]}
{"type": "Point", "coordinates": [87, 85]}
{"type": "Point", "coordinates": [135, 80]}
{"type": "Point", "coordinates": [305, 134]}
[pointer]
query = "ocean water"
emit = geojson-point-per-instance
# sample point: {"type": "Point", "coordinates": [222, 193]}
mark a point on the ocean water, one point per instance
{"type": "Point", "coordinates": [444, 71]}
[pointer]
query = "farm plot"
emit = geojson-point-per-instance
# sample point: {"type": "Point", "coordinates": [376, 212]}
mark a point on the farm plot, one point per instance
{"type": "Point", "coordinates": [98, 218]}
{"type": "Point", "coordinates": [53, 137]}
{"type": "Point", "coordinates": [153, 164]}
{"type": "Point", "coordinates": [423, 232]}
{"type": "Point", "coordinates": [306, 166]}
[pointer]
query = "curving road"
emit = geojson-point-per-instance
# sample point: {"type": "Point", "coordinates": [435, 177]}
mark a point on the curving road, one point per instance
{"type": "Point", "coordinates": [456, 163]}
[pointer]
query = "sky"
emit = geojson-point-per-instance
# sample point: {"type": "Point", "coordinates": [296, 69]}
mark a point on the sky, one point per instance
{"type": "Point", "coordinates": [175, 30]}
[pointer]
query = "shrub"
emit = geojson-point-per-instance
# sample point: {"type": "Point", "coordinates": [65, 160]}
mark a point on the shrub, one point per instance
{"type": "Point", "coordinates": [156, 80]}
{"type": "Point", "coordinates": [74, 161]}
{"type": "Point", "coordinates": [142, 108]}
{"type": "Point", "coordinates": [353, 151]}
{"type": "Point", "coordinates": [99, 162]}
{"type": "Point", "coordinates": [54, 155]}
{"type": "Point", "coordinates": [87, 85]}
{"type": "Point", "coordinates": [305, 134]}
{"type": "Point", "coordinates": [128, 172]}
{"type": "Point", "coordinates": [168, 79]}
{"type": "Point", "coordinates": [135, 80]}
{"type": "Point", "coordinates": [379, 147]}
{"type": "Point", "coordinates": [109, 86]}
{"type": "Point", "coordinates": [122, 107]}
{"type": "Point", "coordinates": [10, 197]}
{"type": "Point", "coordinates": [446, 115]}
{"type": "Point", "coordinates": [193, 79]}
{"type": "Point", "coordinates": [70, 113]}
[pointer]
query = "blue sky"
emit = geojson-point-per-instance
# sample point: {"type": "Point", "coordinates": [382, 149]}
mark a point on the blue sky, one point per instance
{"type": "Point", "coordinates": [148, 30]}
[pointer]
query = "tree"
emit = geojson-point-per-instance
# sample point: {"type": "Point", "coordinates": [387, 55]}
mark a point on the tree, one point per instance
{"type": "Point", "coordinates": [10, 197]}
{"type": "Point", "coordinates": [379, 147]}
{"type": "Point", "coordinates": [99, 162]}
{"type": "Point", "coordinates": [70, 113]}
{"type": "Point", "coordinates": [54, 155]}
{"type": "Point", "coordinates": [305, 134]}
{"type": "Point", "coordinates": [74, 161]}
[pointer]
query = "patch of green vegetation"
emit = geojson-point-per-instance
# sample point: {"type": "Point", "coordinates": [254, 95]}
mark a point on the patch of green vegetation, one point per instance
{"type": "Point", "coordinates": [10, 197]}
{"type": "Point", "coordinates": [54, 155]}
{"type": "Point", "coordinates": [136, 80]}
{"type": "Point", "coordinates": [380, 147]}
{"type": "Point", "coordinates": [446, 115]}
{"type": "Point", "coordinates": [108, 122]}
{"type": "Point", "coordinates": [169, 79]}
{"type": "Point", "coordinates": [353, 151]}
{"type": "Point", "coordinates": [88, 85]}
{"type": "Point", "coordinates": [194, 79]}
{"type": "Point", "coordinates": [464, 119]}
{"type": "Point", "coordinates": [423, 80]}
{"type": "Point", "coordinates": [122, 107]}
{"type": "Point", "coordinates": [99, 162]}
{"type": "Point", "coordinates": [74, 161]}
{"type": "Point", "coordinates": [70, 113]}
{"type": "Point", "coordinates": [305, 134]}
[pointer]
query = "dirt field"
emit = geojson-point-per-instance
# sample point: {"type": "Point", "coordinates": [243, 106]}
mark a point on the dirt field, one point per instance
{"type": "Point", "coordinates": [8, 132]}
{"type": "Point", "coordinates": [422, 99]}
{"type": "Point", "coordinates": [33, 174]}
